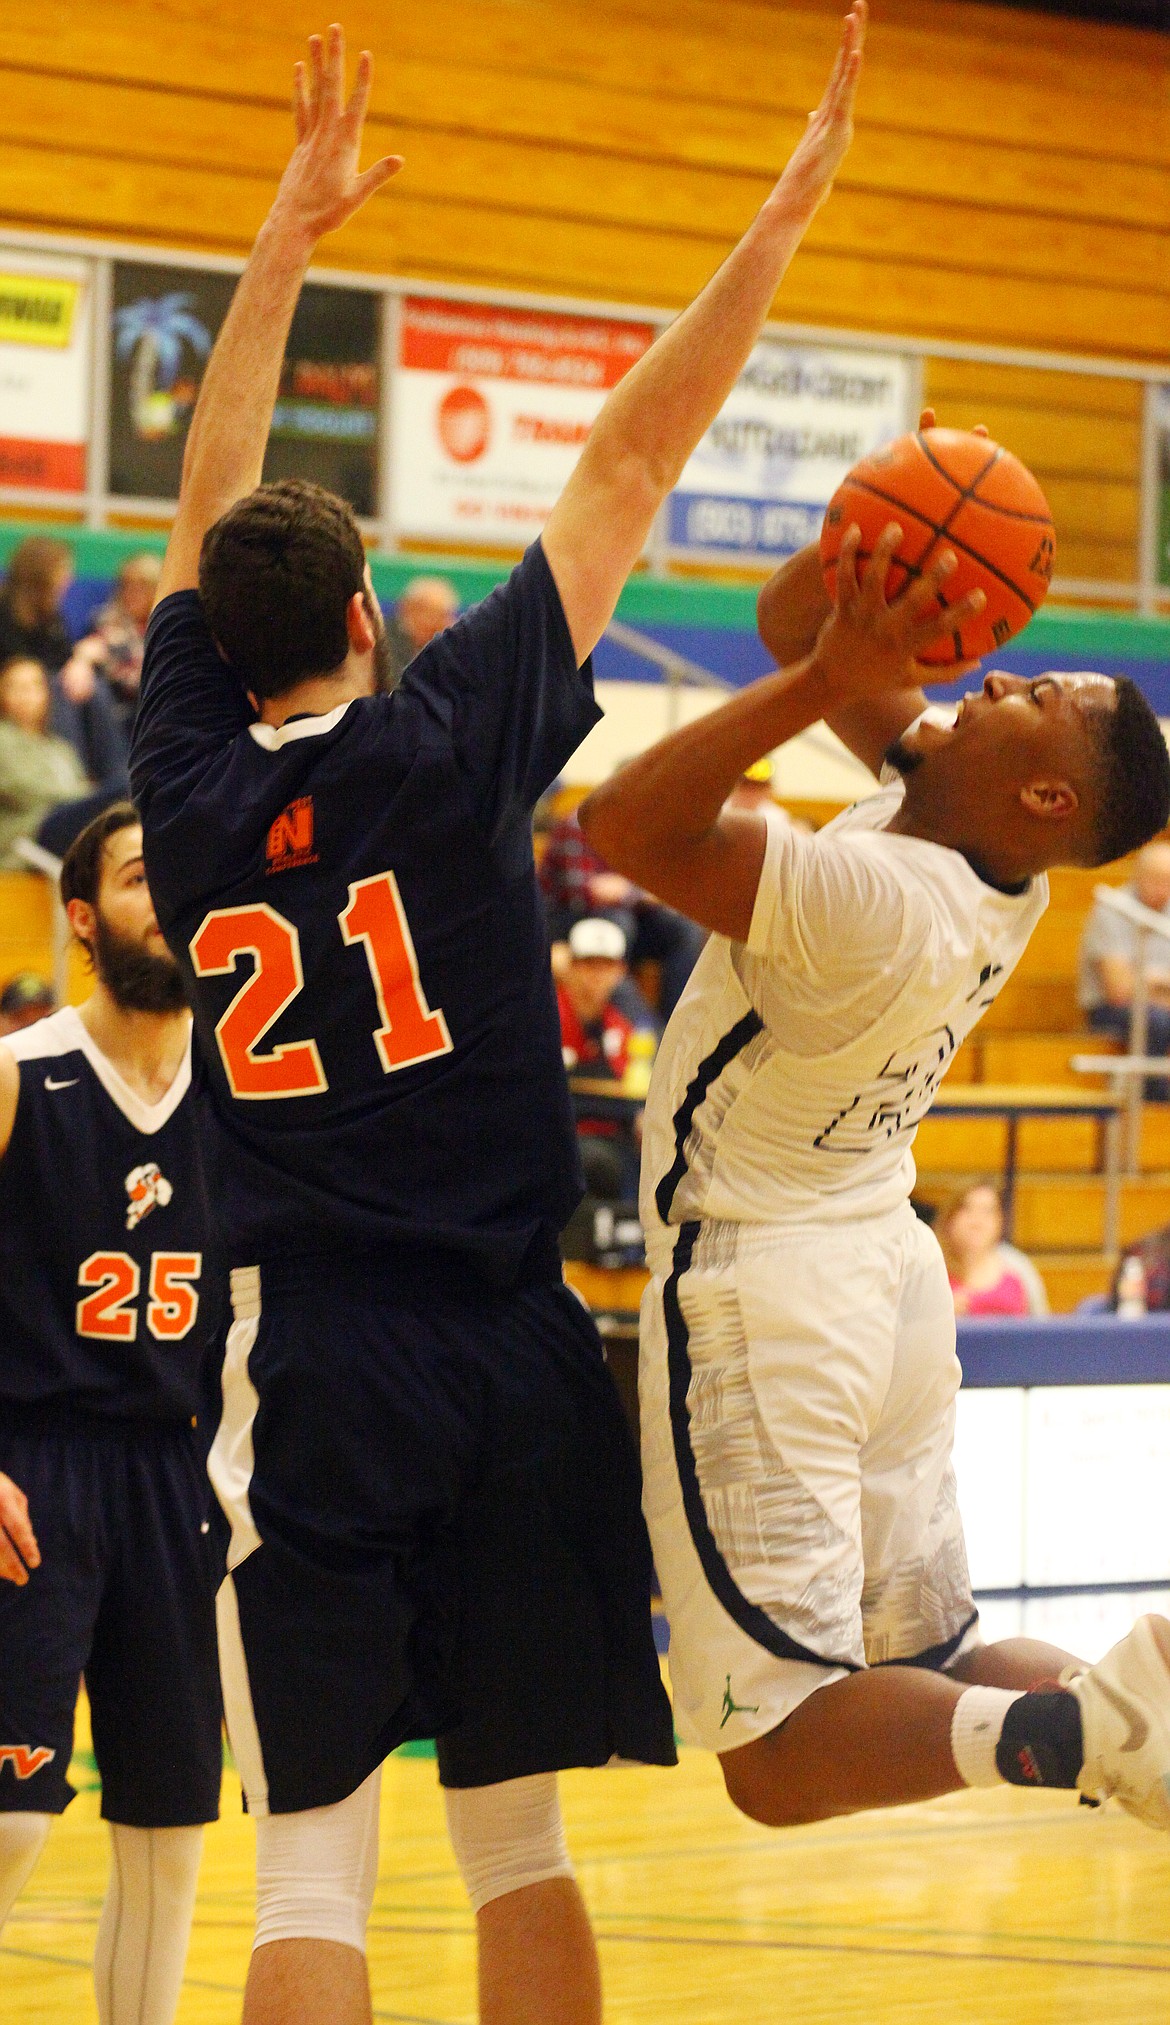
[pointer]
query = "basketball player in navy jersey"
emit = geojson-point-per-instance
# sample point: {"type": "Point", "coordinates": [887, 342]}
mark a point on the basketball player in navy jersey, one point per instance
{"type": "Point", "coordinates": [434, 1503]}
{"type": "Point", "coordinates": [109, 1322]}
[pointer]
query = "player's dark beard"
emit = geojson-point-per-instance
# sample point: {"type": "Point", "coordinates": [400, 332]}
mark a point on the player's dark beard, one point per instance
{"type": "Point", "coordinates": [901, 758]}
{"type": "Point", "coordinates": [135, 978]}
{"type": "Point", "coordinates": [383, 665]}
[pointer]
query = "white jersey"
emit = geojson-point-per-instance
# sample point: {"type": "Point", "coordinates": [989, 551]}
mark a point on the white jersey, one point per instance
{"type": "Point", "coordinates": [796, 1066]}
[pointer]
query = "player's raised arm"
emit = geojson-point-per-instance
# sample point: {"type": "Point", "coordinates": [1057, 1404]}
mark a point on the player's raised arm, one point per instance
{"type": "Point", "coordinates": [320, 190]}
{"type": "Point", "coordinates": [791, 610]}
{"type": "Point", "coordinates": [654, 418]}
{"type": "Point", "coordinates": [661, 819]}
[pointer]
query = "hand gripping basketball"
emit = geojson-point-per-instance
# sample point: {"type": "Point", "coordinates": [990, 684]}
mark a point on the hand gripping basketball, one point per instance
{"type": "Point", "coordinates": [869, 643]}
{"type": "Point", "coordinates": [952, 488]}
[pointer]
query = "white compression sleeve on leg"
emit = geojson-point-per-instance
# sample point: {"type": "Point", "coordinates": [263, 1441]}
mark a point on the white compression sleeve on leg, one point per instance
{"type": "Point", "coordinates": [145, 1925]}
{"type": "Point", "coordinates": [507, 1836]}
{"type": "Point", "coordinates": [316, 1871]}
{"type": "Point", "coordinates": [22, 1838]}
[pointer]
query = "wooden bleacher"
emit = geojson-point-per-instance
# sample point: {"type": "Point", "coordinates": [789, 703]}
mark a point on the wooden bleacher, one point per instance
{"type": "Point", "coordinates": [1028, 1037]}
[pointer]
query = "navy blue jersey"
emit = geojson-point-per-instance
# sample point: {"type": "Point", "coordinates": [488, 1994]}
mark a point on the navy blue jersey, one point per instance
{"type": "Point", "coordinates": [110, 1300]}
{"type": "Point", "coordinates": [353, 900]}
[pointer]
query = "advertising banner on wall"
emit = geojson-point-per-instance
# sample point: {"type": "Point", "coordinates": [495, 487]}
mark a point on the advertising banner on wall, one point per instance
{"type": "Point", "coordinates": [325, 427]}
{"type": "Point", "coordinates": [797, 420]}
{"type": "Point", "coordinates": [44, 371]}
{"type": "Point", "coordinates": [490, 408]}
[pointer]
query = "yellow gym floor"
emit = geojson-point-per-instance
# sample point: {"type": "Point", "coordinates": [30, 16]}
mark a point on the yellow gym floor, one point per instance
{"type": "Point", "coordinates": [998, 1908]}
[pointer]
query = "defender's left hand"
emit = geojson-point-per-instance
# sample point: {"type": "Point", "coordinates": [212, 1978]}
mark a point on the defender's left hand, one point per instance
{"type": "Point", "coordinates": [322, 188]}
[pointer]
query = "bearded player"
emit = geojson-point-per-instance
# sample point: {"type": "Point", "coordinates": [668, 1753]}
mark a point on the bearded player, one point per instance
{"type": "Point", "coordinates": [798, 1368]}
{"type": "Point", "coordinates": [110, 1312]}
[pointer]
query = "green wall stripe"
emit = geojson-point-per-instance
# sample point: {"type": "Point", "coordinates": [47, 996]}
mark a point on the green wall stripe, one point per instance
{"type": "Point", "coordinates": [1068, 635]}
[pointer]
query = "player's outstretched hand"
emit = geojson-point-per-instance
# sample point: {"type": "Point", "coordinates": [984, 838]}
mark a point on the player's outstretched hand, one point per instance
{"type": "Point", "coordinates": [322, 187]}
{"type": "Point", "coordinates": [18, 1543]}
{"type": "Point", "coordinates": [867, 645]}
{"type": "Point", "coordinates": [808, 178]}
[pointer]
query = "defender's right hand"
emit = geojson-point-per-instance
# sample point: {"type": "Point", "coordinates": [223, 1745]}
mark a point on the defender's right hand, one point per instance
{"type": "Point", "coordinates": [18, 1543]}
{"type": "Point", "coordinates": [867, 646]}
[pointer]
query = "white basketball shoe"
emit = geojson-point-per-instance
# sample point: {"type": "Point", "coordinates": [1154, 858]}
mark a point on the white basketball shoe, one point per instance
{"type": "Point", "coordinates": [1125, 1720]}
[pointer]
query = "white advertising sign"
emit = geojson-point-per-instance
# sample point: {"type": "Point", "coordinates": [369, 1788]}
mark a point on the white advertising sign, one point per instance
{"type": "Point", "coordinates": [798, 419]}
{"type": "Point", "coordinates": [44, 371]}
{"type": "Point", "coordinates": [490, 408]}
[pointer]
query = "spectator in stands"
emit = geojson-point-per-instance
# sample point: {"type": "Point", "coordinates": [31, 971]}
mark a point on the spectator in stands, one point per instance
{"type": "Point", "coordinates": [1108, 961]}
{"type": "Point", "coordinates": [25, 999]}
{"type": "Point", "coordinates": [38, 770]}
{"type": "Point", "coordinates": [599, 1043]}
{"type": "Point", "coordinates": [32, 627]}
{"type": "Point", "coordinates": [578, 884]}
{"type": "Point", "coordinates": [425, 608]}
{"type": "Point", "coordinates": [987, 1276]}
{"type": "Point", "coordinates": [1141, 1284]}
{"type": "Point", "coordinates": [40, 571]}
{"type": "Point", "coordinates": [114, 644]}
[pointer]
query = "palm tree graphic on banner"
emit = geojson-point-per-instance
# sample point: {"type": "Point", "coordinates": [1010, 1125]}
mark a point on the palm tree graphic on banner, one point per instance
{"type": "Point", "coordinates": [152, 333]}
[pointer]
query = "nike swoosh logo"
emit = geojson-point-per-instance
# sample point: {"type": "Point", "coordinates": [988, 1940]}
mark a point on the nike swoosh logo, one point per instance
{"type": "Point", "coordinates": [67, 1084]}
{"type": "Point", "coordinates": [1132, 1716]}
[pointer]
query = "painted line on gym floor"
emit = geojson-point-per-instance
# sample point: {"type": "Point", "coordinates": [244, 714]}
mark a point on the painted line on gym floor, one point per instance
{"type": "Point", "coordinates": [902, 1954]}
{"type": "Point", "coordinates": [221, 1989]}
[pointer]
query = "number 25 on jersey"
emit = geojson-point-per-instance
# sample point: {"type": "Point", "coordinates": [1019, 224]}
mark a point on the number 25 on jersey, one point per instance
{"type": "Point", "coordinates": [409, 1032]}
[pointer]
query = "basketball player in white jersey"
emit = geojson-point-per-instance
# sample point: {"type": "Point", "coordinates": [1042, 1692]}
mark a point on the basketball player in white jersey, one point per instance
{"type": "Point", "coordinates": [798, 1367]}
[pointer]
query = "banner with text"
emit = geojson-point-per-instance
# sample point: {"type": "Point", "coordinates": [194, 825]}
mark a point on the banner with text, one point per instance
{"type": "Point", "coordinates": [325, 425]}
{"type": "Point", "coordinates": [797, 420]}
{"type": "Point", "coordinates": [44, 372]}
{"type": "Point", "coordinates": [490, 408]}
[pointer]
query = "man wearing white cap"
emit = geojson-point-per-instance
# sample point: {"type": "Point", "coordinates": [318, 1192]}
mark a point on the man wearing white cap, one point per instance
{"type": "Point", "coordinates": [596, 1039]}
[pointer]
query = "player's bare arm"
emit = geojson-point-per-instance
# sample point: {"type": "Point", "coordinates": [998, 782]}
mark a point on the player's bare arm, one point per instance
{"type": "Point", "coordinates": [790, 611]}
{"type": "Point", "coordinates": [9, 1093]}
{"type": "Point", "coordinates": [652, 421]}
{"type": "Point", "coordinates": [18, 1543]}
{"type": "Point", "coordinates": [661, 820]}
{"type": "Point", "coordinates": [321, 189]}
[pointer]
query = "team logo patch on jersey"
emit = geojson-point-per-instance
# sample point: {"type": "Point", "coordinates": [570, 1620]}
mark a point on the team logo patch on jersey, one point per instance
{"type": "Point", "coordinates": [25, 1759]}
{"type": "Point", "coordinates": [290, 837]}
{"type": "Point", "coordinates": [147, 1189]}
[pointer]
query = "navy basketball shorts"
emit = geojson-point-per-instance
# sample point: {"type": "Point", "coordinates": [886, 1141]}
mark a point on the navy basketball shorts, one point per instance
{"type": "Point", "coordinates": [125, 1594]}
{"type": "Point", "coordinates": [436, 1532]}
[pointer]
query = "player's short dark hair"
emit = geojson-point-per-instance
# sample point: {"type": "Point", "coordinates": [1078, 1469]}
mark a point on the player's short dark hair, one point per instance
{"type": "Point", "coordinates": [81, 867]}
{"type": "Point", "coordinates": [1133, 775]}
{"type": "Point", "coordinates": [276, 574]}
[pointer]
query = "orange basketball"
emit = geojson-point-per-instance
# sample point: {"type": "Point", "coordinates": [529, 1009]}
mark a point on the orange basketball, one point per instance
{"type": "Point", "coordinates": [949, 489]}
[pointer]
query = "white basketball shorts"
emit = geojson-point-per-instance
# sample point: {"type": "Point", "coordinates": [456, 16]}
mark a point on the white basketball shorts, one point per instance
{"type": "Point", "coordinates": [797, 1393]}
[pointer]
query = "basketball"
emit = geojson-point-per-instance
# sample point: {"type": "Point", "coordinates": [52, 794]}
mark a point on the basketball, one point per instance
{"type": "Point", "coordinates": [950, 489]}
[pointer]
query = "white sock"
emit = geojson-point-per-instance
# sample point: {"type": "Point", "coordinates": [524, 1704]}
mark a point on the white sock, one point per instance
{"type": "Point", "coordinates": [145, 1925]}
{"type": "Point", "coordinates": [976, 1728]}
{"type": "Point", "coordinates": [22, 1838]}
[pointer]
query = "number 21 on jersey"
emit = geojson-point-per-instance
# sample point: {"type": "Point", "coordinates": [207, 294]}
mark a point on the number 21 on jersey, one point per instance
{"type": "Point", "coordinates": [374, 918]}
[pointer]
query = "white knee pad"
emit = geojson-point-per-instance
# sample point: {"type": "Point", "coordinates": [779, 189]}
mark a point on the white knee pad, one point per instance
{"type": "Point", "coordinates": [22, 1838]}
{"type": "Point", "coordinates": [507, 1836]}
{"type": "Point", "coordinates": [316, 1871]}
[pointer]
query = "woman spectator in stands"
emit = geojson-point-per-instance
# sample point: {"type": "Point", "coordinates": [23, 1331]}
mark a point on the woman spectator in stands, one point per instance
{"type": "Point", "coordinates": [38, 770]}
{"type": "Point", "coordinates": [988, 1277]}
{"type": "Point", "coordinates": [114, 644]}
{"type": "Point", "coordinates": [32, 626]}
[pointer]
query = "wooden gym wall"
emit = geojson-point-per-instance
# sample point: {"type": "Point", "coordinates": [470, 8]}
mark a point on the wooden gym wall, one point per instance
{"type": "Point", "coordinates": [1009, 184]}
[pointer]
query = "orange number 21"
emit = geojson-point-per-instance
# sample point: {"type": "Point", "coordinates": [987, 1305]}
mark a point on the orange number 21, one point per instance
{"type": "Point", "coordinates": [409, 1031]}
